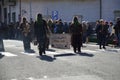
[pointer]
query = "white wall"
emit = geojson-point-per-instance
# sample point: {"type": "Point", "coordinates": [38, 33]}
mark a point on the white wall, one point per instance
{"type": "Point", "coordinates": [66, 9]}
{"type": "Point", "coordinates": [89, 9]}
{"type": "Point", "coordinates": [108, 8]}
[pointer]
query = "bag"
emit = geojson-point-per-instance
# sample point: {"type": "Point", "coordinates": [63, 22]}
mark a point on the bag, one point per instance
{"type": "Point", "coordinates": [115, 40]}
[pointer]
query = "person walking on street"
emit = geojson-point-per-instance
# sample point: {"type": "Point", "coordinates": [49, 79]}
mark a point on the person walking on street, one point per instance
{"type": "Point", "coordinates": [76, 35]}
{"type": "Point", "coordinates": [40, 28]}
{"type": "Point", "coordinates": [25, 29]}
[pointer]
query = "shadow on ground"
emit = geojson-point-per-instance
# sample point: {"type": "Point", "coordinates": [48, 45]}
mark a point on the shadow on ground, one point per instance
{"type": "Point", "coordinates": [46, 58]}
{"type": "Point", "coordinates": [30, 51]}
{"type": "Point", "coordinates": [73, 54]}
{"type": "Point", "coordinates": [116, 51]}
{"type": "Point", "coordinates": [86, 54]}
{"type": "Point", "coordinates": [50, 50]}
{"type": "Point", "coordinates": [64, 54]}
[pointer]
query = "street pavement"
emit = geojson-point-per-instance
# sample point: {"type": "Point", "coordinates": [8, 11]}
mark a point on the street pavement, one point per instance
{"type": "Point", "coordinates": [59, 64]}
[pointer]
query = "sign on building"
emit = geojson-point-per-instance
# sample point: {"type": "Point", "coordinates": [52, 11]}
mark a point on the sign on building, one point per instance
{"type": "Point", "coordinates": [55, 15]}
{"type": "Point", "coordinates": [61, 41]}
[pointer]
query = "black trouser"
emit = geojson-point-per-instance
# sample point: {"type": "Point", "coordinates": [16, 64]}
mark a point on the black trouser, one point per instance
{"type": "Point", "coordinates": [41, 44]}
{"type": "Point", "coordinates": [41, 47]}
{"type": "Point", "coordinates": [102, 40]}
{"type": "Point", "coordinates": [26, 42]}
{"type": "Point", "coordinates": [77, 48]}
{"type": "Point", "coordinates": [76, 41]}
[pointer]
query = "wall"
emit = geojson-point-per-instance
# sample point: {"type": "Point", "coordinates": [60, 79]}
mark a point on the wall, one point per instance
{"type": "Point", "coordinates": [89, 9]}
{"type": "Point", "coordinates": [66, 9]}
{"type": "Point", "coordinates": [108, 8]}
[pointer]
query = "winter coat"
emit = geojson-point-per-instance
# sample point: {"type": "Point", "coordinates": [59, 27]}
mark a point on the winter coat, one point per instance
{"type": "Point", "coordinates": [76, 35]}
{"type": "Point", "coordinates": [40, 31]}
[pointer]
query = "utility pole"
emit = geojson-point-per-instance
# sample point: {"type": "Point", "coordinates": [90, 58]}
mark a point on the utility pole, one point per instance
{"type": "Point", "coordinates": [20, 12]}
{"type": "Point", "coordinates": [30, 11]}
{"type": "Point", "coordinates": [100, 9]}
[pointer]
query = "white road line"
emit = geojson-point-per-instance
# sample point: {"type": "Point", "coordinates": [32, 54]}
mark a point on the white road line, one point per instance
{"type": "Point", "coordinates": [30, 54]}
{"type": "Point", "coordinates": [100, 49]}
{"type": "Point", "coordinates": [89, 51]}
{"type": "Point", "coordinates": [92, 45]}
{"type": "Point", "coordinates": [49, 52]}
{"type": "Point", "coordinates": [13, 79]}
{"type": "Point", "coordinates": [71, 51]}
{"type": "Point", "coordinates": [8, 54]}
{"type": "Point", "coordinates": [81, 77]}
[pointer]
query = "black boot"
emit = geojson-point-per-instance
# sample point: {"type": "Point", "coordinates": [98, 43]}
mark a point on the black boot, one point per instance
{"type": "Point", "coordinates": [44, 52]}
{"type": "Point", "coordinates": [79, 49]}
{"type": "Point", "coordinates": [100, 47]}
{"type": "Point", "coordinates": [74, 50]}
{"type": "Point", "coordinates": [40, 53]}
{"type": "Point", "coordinates": [104, 47]}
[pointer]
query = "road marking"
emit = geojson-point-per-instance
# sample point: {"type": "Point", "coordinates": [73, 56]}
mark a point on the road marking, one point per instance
{"type": "Point", "coordinates": [89, 51]}
{"type": "Point", "coordinates": [117, 50]}
{"type": "Point", "coordinates": [45, 77]}
{"type": "Point", "coordinates": [30, 54]}
{"type": "Point", "coordinates": [8, 54]}
{"type": "Point", "coordinates": [100, 49]}
{"type": "Point", "coordinates": [49, 52]}
{"type": "Point", "coordinates": [81, 77]}
{"type": "Point", "coordinates": [30, 78]}
{"type": "Point", "coordinates": [13, 79]}
{"type": "Point", "coordinates": [92, 45]}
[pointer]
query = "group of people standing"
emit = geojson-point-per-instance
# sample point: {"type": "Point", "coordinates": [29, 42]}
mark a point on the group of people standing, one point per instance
{"type": "Point", "coordinates": [41, 30]}
{"type": "Point", "coordinates": [107, 31]}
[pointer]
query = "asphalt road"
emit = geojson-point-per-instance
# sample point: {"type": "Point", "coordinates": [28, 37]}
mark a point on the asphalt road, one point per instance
{"type": "Point", "coordinates": [59, 64]}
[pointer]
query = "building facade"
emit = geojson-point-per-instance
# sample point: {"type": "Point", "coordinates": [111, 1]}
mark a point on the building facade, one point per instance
{"type": "Point", "coordinates": [87, 10]}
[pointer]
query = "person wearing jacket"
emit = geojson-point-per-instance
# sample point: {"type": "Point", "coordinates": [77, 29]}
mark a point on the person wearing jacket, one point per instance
{"type": "Point", "coordinates": [102, 32]}
{"type": "Point", "coordinates": [25, 29]}
{"type": "Point", "coordinates": [76, 35]}
{"type": "Point", "coordinates": [40, 28]}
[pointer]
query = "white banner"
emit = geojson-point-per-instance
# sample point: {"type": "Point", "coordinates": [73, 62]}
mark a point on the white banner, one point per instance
{"type": "Point", "coordinates": [61, 41]}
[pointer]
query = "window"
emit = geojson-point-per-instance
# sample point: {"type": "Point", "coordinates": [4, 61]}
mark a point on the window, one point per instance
{"type": "Point", "coordinates": [5, 15]}
{"type": "Point", "coordinates": [8, 17]}
{"type": "Point", "coordinates": [14, 17]}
